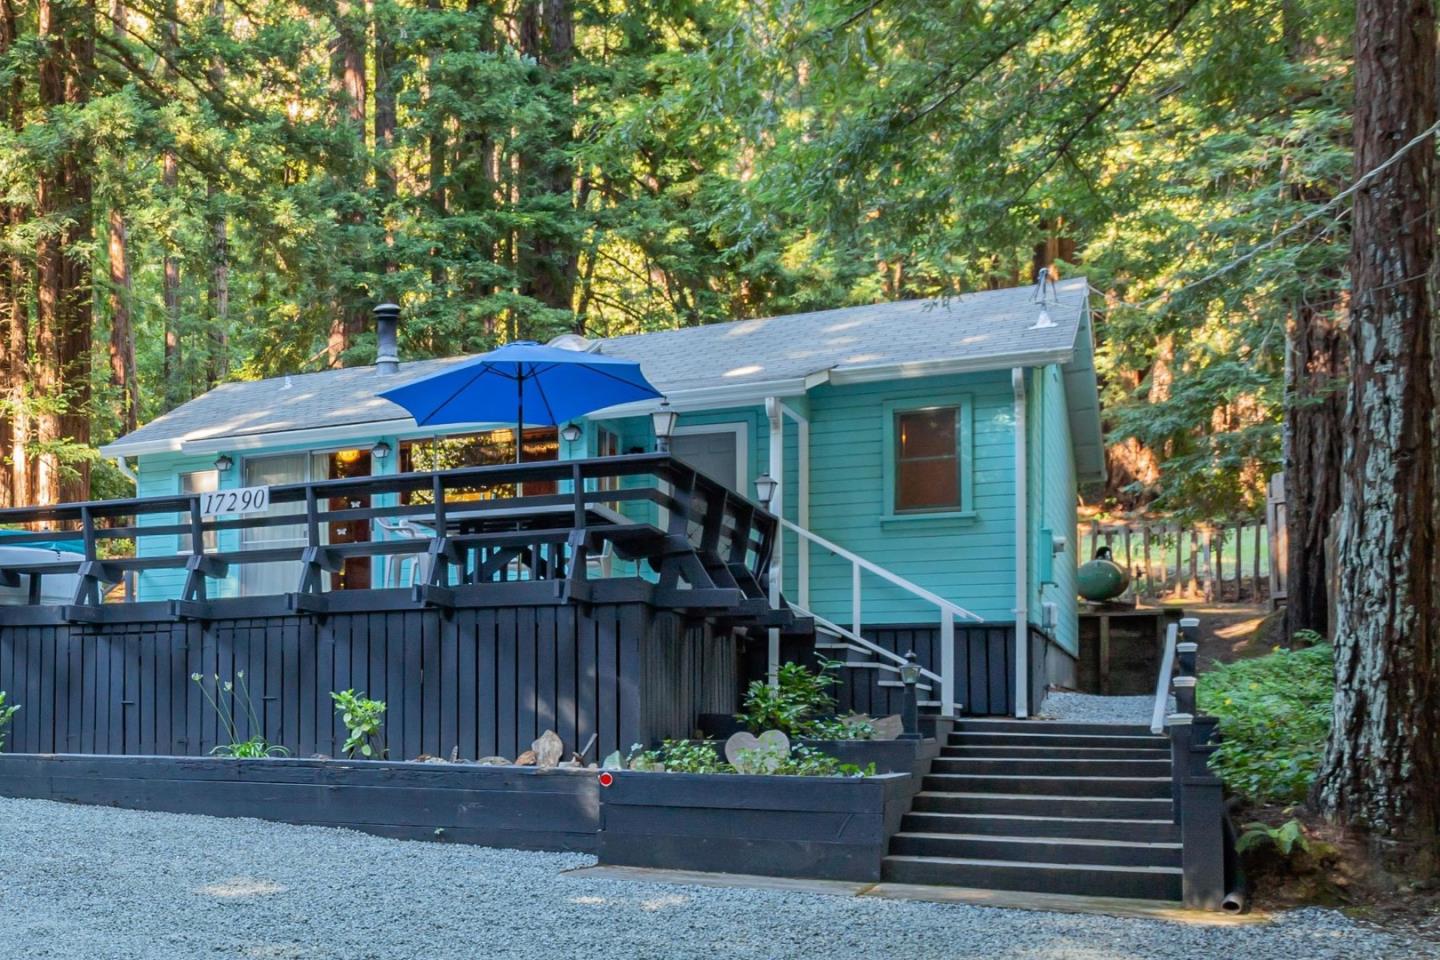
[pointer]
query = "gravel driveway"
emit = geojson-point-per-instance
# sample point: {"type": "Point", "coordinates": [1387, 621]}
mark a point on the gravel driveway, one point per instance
{"type": "Point", "coordinates": [96, 883]}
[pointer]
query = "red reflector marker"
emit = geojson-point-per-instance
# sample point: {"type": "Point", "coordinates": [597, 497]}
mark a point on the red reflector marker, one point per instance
{"type": "Point", "coordinates": [607, 778]}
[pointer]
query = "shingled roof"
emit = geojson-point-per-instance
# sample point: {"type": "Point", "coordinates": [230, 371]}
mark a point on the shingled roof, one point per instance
{"type": "Point", "coordinates": [717, 364]}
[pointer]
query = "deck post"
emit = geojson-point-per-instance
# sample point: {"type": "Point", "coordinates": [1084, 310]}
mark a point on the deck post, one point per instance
{"type": "Point", "coordinates": [947, 663]}
{"type": "Point", "coordinates": [775, 414]}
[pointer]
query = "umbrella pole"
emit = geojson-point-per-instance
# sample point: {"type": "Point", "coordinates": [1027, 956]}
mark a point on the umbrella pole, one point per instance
{"type": "Point", "coordinates": [519, 412]}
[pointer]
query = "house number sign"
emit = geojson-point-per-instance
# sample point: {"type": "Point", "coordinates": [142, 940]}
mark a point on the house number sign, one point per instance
{"type": "Point", "coordinates": [238, 500]}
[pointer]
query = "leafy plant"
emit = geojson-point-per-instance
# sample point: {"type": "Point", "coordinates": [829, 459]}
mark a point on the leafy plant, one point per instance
{"type": "Point", "coordinates": [1274, 716]}
{"type": "Point", "coordinates": [797, 705]}
{"type": "Point", "coordinates": [362, 718]}
{"type": "Point", "coordinates": [1286, 838]}
{"type": "Point", "coordinates": [7, 713]}
{"type": "Point", "coordinates": [853, 727]}
{"type": "Point", "coordinates": [684, 756]}
{"type": "Point", "coordinates": [253, 747]}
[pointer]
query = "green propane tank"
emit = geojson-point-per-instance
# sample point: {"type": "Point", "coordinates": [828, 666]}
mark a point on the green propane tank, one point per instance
{"type": "Point", "coordinates": [1102, 578]}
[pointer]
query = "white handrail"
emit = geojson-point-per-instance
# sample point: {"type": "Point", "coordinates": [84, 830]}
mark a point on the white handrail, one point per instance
{"type": "Point", "coordinates": [852, 637]}
{"type": "Point", "coordinates": [1162, 682]}
{"type": "Point", "coordinates": [879, 571]}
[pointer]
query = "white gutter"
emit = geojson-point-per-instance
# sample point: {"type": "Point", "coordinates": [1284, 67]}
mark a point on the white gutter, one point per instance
{"type": "Point", "coordinates": [1022, 559]}
{"type": "Point", "coordinates": [128, 473]}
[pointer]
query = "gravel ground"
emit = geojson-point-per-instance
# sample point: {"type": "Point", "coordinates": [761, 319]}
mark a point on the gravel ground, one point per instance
{"type": "Point", "coordinates": [1089, 708]}
{"type": "Point", "coordinates": [93, 883]}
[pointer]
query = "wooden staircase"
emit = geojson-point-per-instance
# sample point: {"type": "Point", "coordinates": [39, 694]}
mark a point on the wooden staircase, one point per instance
{"type": "Point", "coordinates": [1048, 807]}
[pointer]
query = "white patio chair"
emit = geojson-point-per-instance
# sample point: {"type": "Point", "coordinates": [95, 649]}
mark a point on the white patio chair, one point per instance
{"type": "Point", "coordinates": [392, 569]}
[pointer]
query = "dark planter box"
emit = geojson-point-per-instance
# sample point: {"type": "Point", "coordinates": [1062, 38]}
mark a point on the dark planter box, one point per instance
{"type": "Point", "coordinates": [520, 808]}
{"type": "Point", "coordinates": [832, 828]}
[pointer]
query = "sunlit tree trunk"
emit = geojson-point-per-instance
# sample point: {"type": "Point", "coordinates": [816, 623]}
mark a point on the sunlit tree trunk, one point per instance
{"type": "Point", "coordinates": [348, 66]}
{"type": "Point", "coordinates": [1382, 769]}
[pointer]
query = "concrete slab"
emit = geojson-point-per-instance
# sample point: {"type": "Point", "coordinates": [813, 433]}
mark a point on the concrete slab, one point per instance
{"type": "Point", "coordinates": [1004, 899]}
{"type": "Point", "coordinates": [1059, 903]}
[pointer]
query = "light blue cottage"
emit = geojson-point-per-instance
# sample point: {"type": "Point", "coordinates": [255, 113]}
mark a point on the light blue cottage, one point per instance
{"type": "Point", "coordinates": [928, 455]}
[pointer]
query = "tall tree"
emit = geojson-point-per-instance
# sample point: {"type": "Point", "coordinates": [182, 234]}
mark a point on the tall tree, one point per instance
{"type": "Point", "coordinates": [1382, 769]}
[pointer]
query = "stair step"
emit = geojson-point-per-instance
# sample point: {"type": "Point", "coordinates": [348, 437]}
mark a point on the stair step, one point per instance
{"type": "Point", "coordinates": [1039, 805]}
{"type": "Point", "coordinates": [1065, 786]}
{"type": "Point", "coordinates": [1004, 725]}
{"type": "Point", "coordinates": [1115, 828]}
{"type": "Point", "coordinates": [1052, 767]}
{"type": "Point", "coordinates": [1063, 850]}
{"type": "Point", "coordinates": [1141, 883]}
{"type": "Point", "coordinates": [1047, 753]}
{"type": "Point", "coordinates": [973, 738]}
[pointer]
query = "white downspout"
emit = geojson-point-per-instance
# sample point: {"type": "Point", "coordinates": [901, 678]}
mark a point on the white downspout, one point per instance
{"type": "Point", "coordinates": [1022, 559]}
{"type": "Point", "coordinates": [127, 472]}
{"type": "Point", "coordinates": [776, 416]}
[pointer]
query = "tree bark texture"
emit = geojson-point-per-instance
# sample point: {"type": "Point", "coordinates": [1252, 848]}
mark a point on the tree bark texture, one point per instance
{"type": "Point", "coordinates": [1381, 772]}
{"type": "Point", "coordinates": [1314, 452]}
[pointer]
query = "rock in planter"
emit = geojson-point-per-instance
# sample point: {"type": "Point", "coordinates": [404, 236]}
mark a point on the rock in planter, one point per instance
{"type": "Point", "coordinates": [888, 728]}
{"type": "Point", "coordinates": [613, 762]}
{"type": "Point", "coordinates": [526, 759]}
{"type": "Point", "coordinates": [548, 750]}
{"type": "Point", "coordinates": [494, 761]}
{"type": "Point", "coordinates": [763, 754]}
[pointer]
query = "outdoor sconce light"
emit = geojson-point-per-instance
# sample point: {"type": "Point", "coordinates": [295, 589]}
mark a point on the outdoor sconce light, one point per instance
{"type": "Point", "coordinates": [380, 451]}
{"type": "Point", "coordinates": [571, 432]}
{"type": "Point", "coordinates": [765, 489]}
{"type": "Point", "coordinates": [663, 420]}
{"type": "Point", "coordinates": [910, 711]}
{"type": "Point", "coordinates": [223, 464]}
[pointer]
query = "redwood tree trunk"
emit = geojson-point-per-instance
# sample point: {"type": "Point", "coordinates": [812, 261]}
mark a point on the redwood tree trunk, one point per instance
{"type": "Point", "coordinates": [1381, 772]}
{"type": "Point", "coordinates": [1314, 452]}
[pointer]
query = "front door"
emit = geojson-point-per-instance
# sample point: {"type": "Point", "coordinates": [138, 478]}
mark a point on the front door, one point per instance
{"type": "Point", "coordinates": [714, 451]}
{"type": "Point", "coordinates": [354, 573]}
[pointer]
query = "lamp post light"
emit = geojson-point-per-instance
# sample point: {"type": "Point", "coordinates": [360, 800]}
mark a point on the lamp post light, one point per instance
{"type": "Point", "coordinates": [910, 712]}
{"type": "Point", "coordinates": [765, 489]}
{"type": "Point", "coordinates": [663, 420]}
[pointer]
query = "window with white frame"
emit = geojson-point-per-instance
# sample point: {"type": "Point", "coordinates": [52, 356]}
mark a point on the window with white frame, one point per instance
{"type": "Point", "coordinates": [197, 482]}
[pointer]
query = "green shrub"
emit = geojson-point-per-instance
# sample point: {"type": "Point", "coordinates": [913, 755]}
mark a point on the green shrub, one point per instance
{"type": "Point", "coordinates": [1274, 716]}
{"type": "Point", "coordinates": [801, 705]}
{"type": "Point", "coordinates": [362, 719]}
{"type": "Point", "coordinates": [7, 713]}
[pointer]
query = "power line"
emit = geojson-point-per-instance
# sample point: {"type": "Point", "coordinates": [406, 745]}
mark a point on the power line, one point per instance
{"type": "Point", "coordinates": [1309, 218]}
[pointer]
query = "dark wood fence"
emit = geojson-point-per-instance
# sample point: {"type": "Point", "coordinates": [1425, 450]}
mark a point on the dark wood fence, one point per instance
{"type": "Point", "coordinates": [481, 682]}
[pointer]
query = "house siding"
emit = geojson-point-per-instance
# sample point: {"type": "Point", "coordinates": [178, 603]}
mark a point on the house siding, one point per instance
{"type": "Point", "coordinates": [1052, 497]}
{"type": "Point", "coordinates": [967, 560]}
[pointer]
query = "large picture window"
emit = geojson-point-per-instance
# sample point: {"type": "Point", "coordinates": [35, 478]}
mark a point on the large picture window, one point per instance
{"type": "Point", "coordinates": [199, 481]}
{"type": "Point", "coordinates": [927, 458]}
{"type": "Point", "coordinates": [492, 448]}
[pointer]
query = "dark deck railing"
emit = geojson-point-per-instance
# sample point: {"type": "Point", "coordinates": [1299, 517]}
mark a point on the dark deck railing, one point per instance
{"type": "Point", "coordinates": [708, 547]}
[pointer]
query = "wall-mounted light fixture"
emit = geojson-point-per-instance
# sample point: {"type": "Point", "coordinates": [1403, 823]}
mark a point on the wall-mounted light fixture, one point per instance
{"type": "Point", "coordinates": [223, 464]}
{"type": "Point", "coordinates": [571, 432]}
{"type": "Point", "coordinates": [765, 489]}
{"type": "Point", "coordinates": [380, 451]}
{"type": "Point", "coordinates": [663, 420]}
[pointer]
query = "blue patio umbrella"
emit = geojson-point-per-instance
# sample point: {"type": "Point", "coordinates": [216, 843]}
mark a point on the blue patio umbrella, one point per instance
{"type": "Point", "coordinates": [523, 382]}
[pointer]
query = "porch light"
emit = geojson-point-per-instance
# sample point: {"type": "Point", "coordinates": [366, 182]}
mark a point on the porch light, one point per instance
{"type": "Point", "coordinates": [223, 464]}
{"type": "Point", "coordinates": [765, 489]}
{"type": "Point", "coordinates": [380, 451]}
{"type": "Point", "coordinates": [663, 420]}
{"type": "Point", "coordinates": [570, 432]}
{"type": "Point", "coordinates": [910, 709]}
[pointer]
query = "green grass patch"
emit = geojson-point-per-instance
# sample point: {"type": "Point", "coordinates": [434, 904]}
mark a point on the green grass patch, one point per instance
{"type": "Point", "coordinates": [1274, 717]}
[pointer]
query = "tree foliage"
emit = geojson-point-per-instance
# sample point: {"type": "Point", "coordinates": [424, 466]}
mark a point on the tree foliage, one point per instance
{"type": "Point", "coordinates": [242, 180]}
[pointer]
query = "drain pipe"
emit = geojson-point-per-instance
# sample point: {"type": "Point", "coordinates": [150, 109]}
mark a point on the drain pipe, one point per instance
{"type": "Point", "coordinates": [1022, 559]}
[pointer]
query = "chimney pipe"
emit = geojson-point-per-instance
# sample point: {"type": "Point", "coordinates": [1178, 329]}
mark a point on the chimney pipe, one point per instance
{"type": "Point", "coordinates": [387, 355]}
